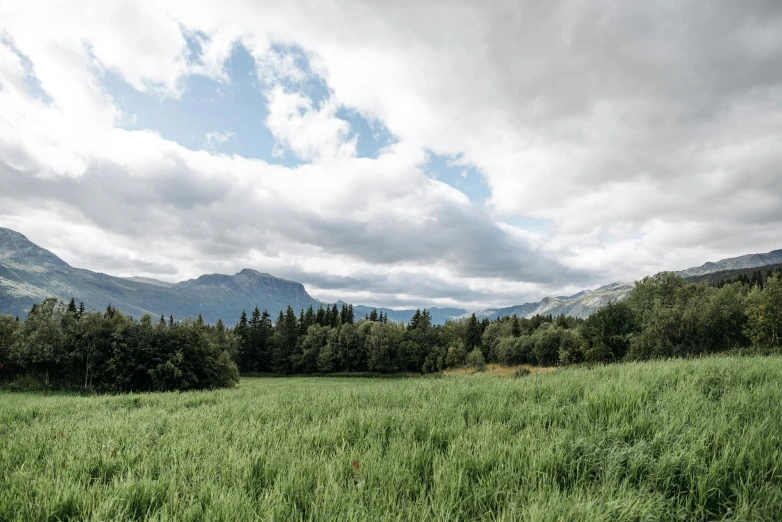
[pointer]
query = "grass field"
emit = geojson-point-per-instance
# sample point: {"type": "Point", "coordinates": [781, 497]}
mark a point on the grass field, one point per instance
{"type": "Point", "coordinates": [677, 440]}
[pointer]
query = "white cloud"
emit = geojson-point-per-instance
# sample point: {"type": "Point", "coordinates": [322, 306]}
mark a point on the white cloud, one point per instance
{"type": "Point", "coordinates": [648, 147]}
{"type": "Point", "coordinates": [312, 133]}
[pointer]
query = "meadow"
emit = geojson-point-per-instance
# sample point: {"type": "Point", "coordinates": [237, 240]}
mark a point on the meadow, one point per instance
{"type": "Point", "coordinates": [669, 440]}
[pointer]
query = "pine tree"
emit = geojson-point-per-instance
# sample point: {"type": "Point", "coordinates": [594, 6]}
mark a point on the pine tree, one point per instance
{"type": "Point", "coordinates": [309, 318]}
{"type": "Point", "coordinates": [171, 320]}
{"type": "Point", "coordinates": [72, 307]}
{"type": "Point", "coordinates": [415, 320]}
{"type": "Point", "coordinates": [515, 328]}
{"type": "Point", "coordinates": [473, 334]}
{"type": "Point", "coordinates": [290, 337]}
{"type": "Point", "coordinates": [81, 311]}
{"type": "Point", "coordinates": [302, 323]}
{"type": "Point", "coordinates": [245, 348]}
{"type": "Point", "coordinates": [263, 342]}
{"type": "Point", "coordinates": [351, 317]}
{"type": "Point", "coordinates": [373, 315]}
{"type": "Point", "coordinates": [334, 316]}
{"type": "Point", "coordinates": [162, 320]}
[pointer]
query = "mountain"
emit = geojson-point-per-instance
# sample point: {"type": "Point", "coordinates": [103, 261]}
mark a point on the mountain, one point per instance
{"type": "Point", "coordinates": [581, 304]}
{"type": "Point", "coordinates": [714, 278]}
{"type": "Point", "coordinates": [150, 281]}
{"type": "Point", "coordinates": [439, 315]}
{"type": "Point", "coordinates": [585, 302]}
{"type": "Point", "coordinates": [735, 263]}
{"type": "Point", "coordinates": [29, 273]}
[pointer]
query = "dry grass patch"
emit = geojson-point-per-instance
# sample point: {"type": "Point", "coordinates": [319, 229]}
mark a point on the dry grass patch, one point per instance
{"type": "Point", "coordinates": [499, 370]}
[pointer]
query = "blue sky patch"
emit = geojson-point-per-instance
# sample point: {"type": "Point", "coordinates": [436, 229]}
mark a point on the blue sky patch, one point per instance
{"type": "Point", "coordinates": [229, 118]}
{"type": "Point", "coordinates": [539, 226]}
{"type": "Point", "coordinates": [31, 81]}
{"type": "Point", "coordinates": [233, 113]}
{"type": "Point", "coordinates": [372, 135]}
{"type": "Point", "coordinates": [464, 178]}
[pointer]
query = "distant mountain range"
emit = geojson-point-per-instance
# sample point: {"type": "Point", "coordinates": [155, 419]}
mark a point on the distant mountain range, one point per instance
{"type": "Point", "coordinates": [29, 273]}
{"type": "Point", "coordinates": [581, 304]}
{"type": "Point", "coordinates": [735, 263]}
{"type": "Point", "coordinates": [585, 302]}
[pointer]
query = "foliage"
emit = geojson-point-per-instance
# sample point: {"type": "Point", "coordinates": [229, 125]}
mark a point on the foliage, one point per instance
{"type": "Point", "coordinates": [475, 360]}
{"type": "Point", "coordinates": [65, 346]}
{"type": "Point", "coordinates": [663, 317]}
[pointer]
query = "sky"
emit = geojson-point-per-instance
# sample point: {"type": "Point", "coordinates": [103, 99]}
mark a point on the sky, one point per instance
{"type": "Point", "coordinates": [460, 153]}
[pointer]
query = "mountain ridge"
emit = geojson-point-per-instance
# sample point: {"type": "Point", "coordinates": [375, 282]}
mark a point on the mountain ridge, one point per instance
{"type": "Point", "coordinates": [30, 273]}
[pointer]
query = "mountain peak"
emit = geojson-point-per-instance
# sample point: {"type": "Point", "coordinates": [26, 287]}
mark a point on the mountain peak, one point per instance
{"type": "Point", "coordinates": [16, 248]}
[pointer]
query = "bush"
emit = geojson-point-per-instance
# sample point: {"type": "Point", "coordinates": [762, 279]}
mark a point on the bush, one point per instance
{"type": "Point", "coordinates": [456, 355]}
{"type": "Point", "coordinates": [475, 359]}
{"type": "Point", "coordinates": [521, 372]}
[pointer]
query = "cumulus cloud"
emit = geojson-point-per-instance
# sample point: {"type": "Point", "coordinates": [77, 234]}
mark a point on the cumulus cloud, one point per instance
{"type": "Point", "coordinates": [649, 136]}
{"type": "Point", "coordinates": [311, 132]}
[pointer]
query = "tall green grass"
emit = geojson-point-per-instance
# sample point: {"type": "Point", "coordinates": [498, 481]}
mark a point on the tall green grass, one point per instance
{"type": "Point", "coordinates": [676, 440]}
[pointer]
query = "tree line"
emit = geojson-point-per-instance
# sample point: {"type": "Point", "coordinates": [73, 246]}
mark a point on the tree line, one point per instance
{"type": "Point", "coordinates": [664, 316]}
{"type": "Point", "coordinates": [68, 346]}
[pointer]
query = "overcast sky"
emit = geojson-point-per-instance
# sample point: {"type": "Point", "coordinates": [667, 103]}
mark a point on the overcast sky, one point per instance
{"type": "Point", "coordinates": [394, 153]}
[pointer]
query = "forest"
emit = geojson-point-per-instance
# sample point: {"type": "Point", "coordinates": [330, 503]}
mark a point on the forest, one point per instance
{"type": "Point", "coordinates": [64, 345]}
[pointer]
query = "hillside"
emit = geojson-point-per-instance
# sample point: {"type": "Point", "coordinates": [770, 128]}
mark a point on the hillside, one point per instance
{"type": "Point", "coordinates": [581, 304]}
{"type": "Point", "coordinates": [29, 273]}
{"type": "Point", "coordinates": [584, 303]}
{"type": "Point", "coordinates": [714, 278]}
{"type": "Point", "coordinates": [735, 263]}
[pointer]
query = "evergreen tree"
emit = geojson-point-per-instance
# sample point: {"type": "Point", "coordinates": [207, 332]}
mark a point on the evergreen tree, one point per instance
{"type": "Point", "coordinates": [72, 307]}
{"type": "Point", "coordinates": [309, 318]}
{"type": "Point", "coordinates": [245, 344]}
{"type": "Point", "coordinates": [290, 337]}
{"type": "Point", "coordinates": [254, 341]}
{"type": "Point", "coordinates": [415, 320]}
{"type": "Point", "coordinates": [334, 316]}
{"type": "Point", "coordinates": [515, 329]}
{"type": "Point", "coordinates": [473, 334]}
